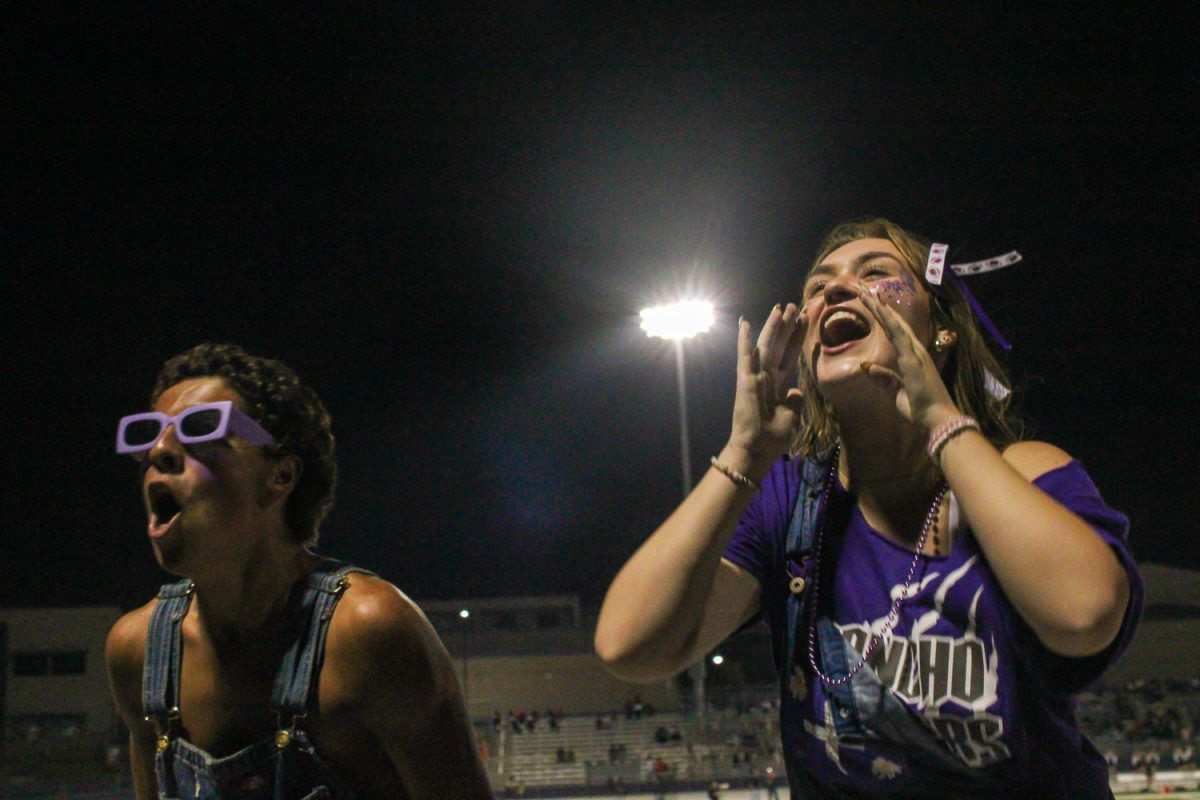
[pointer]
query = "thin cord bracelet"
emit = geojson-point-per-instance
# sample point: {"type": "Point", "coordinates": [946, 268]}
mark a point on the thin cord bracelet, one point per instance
{"type": "Point", "coordinates": [733, 475]}
{"type": "Point", "coordinates": [947, 431]}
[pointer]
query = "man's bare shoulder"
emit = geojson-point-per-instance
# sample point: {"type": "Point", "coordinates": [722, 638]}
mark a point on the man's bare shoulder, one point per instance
{"type": "Point", "coordinates": [377, 629]}
{"type": "Point", "coordinates": [126, 641]}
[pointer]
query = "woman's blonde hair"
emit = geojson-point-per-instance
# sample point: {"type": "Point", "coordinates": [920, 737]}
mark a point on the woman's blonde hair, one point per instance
{"type": "Point", "coordinates": [966, 369]}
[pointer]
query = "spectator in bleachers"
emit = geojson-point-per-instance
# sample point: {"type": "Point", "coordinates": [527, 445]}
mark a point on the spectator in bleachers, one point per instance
{"type": "Point", "coordinates": [615, 786]}
{"type": "Point", "coordinates": [1183, 757]}
{"type": "Point", "coordinates": [1110, 758]}
{"type": "Point", "coordinates": [1147, 761]}
{"type": "Point", "coordinates": [772, 781]}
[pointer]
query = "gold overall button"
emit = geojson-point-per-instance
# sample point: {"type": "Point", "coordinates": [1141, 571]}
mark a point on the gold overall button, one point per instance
{"type": "Point", "coordinates": [796, 585]}
{"type": "Point", "coordinates": [162, 742]}
{"type": "Point", "coordinates": [282, 738]}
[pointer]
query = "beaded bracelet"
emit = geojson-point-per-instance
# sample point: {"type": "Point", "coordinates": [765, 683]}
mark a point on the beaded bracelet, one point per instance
{"type": "Point", "coordinates": [947, 431]}
{"type": "Point", "coordinates": [733, 475]}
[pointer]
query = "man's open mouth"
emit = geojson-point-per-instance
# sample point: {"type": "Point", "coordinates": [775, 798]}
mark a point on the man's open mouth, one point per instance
{"type": "Point", "coordinates": [842, 326]}
{"type": "Point", "coordinates": [164, 507]}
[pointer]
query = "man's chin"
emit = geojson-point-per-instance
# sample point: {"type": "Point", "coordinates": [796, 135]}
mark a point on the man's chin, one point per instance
{"type": "Point", "coordinates": [171, 556]}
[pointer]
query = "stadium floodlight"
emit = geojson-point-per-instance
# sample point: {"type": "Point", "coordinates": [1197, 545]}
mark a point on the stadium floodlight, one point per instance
{"type": "Point", "coordinates": [718, 659]}
{"type": "Point", "coordinates": [677, 321]}
{"type": "Point", "coordinates": [464, 613]}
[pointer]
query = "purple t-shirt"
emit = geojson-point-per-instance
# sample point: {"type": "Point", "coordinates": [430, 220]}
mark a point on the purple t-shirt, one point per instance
{"type": "Point", "coordinates": [993, 707]}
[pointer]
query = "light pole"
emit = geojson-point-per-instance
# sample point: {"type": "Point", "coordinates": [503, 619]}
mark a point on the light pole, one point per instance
{"type": "Point", "coordinates": [465, 616]}
{"type": "Point", "coordinates": [675, 323]}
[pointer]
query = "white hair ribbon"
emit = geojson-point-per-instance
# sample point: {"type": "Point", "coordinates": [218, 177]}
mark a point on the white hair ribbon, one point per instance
{"type": "Point", "coordinates": [936, 262]}
{"type": "Point", "coordinates": [935, 268]}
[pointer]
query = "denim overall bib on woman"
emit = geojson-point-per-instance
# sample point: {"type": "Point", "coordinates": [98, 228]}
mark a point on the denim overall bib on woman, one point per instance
{"type": "Point", "coordinates": [862, 706]}
{"type": "Point", "coordinates": [285, 767]}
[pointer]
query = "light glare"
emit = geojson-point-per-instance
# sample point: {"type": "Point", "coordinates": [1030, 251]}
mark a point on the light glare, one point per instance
{"type": "Point", "coordinates": [464, 613]}
{"type": "Point", "coordinates": [718, 659]}
{"type": "Point", "coordinates": [677, 321]}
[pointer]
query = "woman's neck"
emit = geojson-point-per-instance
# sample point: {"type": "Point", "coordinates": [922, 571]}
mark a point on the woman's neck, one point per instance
{"type": "Point", "coordinates": [882, 462]}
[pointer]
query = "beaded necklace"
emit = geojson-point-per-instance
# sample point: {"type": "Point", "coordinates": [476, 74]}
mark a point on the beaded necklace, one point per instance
{"type": "Point", "coordinates": [894, 614]}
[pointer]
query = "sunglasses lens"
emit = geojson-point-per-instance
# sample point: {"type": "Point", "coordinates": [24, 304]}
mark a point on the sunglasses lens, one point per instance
{"type": "Point", "coordinates": [200, 423]}
{"type": "Point", "coordinates": [141, 432]}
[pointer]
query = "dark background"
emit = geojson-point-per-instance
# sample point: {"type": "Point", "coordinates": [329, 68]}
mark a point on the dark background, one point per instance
{"type": "Point", "coordinates": [446, 222]}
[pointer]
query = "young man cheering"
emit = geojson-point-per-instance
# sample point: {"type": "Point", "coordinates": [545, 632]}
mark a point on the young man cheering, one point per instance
{"type": "Point", "coordinates": [270, 671]}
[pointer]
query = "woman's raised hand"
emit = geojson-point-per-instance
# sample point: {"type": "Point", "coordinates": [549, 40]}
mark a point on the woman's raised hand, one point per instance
{"type": "Point", "coordinates": [921, 394]}
{"type": "Point", "coordinates": [767, 404]}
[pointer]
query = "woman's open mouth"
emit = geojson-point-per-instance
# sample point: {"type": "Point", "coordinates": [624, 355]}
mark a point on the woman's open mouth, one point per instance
{"type": "Point", "coordinates": [842, 327]}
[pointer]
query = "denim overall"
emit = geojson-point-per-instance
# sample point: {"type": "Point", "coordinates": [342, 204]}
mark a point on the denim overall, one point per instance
{"type": "Point", "coordinates": [862, 704]}
{"type": "Point", "coordinates": [285, 767]}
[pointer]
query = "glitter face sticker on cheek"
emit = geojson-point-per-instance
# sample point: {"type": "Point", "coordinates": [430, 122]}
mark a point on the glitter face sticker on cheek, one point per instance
{"type": "Point", "coordinates": [900, 291]}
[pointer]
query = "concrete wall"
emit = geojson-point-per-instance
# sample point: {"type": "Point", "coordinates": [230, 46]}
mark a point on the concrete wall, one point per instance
{"type": "Point", "coordinates": [575, 683]}
{"type": "Point", "coordinates": [1162, 649]}
{"type": "Point", "coordinates": [60, 630]}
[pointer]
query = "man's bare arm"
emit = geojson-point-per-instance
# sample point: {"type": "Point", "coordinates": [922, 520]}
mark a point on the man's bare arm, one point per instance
{"type": "Point", "coordinates": [124, 655]}
{"type": "Point", "coordinates": [410, 695]}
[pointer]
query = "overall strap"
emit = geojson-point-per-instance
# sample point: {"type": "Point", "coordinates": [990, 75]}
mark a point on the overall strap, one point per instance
{"type": "Point", "coordinates": [806, 516]}
{"type": "Point", "coordinates": [302, 662]}
{"type": "Point", "coordinates": [164, 654]}
{"type": "Point", "coordinates": [801, 532]}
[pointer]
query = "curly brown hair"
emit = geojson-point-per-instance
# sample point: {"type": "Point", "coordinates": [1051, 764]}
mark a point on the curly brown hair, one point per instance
{"type": "Point", "coordinates": [965, 370]}
{"type": "Point", "coordinates": [289, 410]}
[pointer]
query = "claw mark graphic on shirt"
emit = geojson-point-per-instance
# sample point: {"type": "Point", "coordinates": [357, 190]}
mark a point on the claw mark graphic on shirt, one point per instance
{"type": "Point", "coordinates": [798, 684]}
{"type": "Point", "coordinates": [884, 769]}
{"type": "Point", "coordinates": [932, 673]}
{"type": "Point", "coordinates": [828, 734]}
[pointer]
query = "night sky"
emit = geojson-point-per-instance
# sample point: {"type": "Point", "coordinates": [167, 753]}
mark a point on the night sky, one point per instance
{"type": "Point", "coordinates": [446, 222]}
